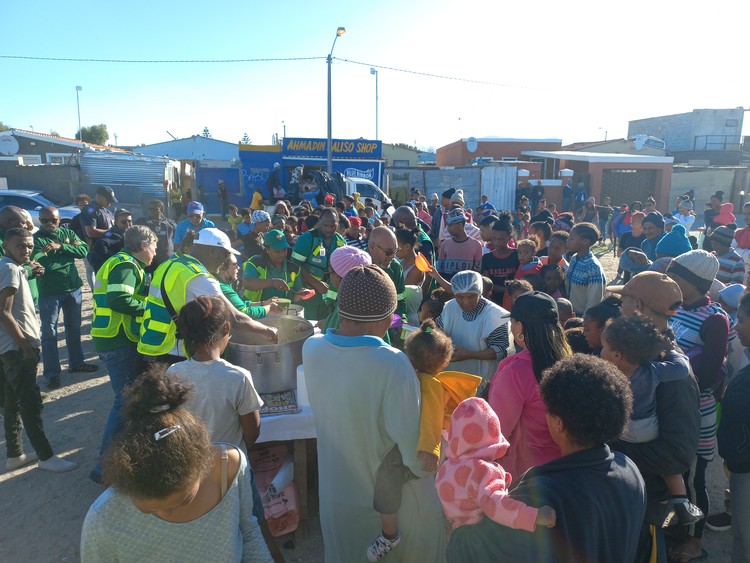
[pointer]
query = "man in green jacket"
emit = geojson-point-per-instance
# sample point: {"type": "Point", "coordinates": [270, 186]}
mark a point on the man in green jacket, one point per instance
{"type": "Point", "coordinates": [57, 249]}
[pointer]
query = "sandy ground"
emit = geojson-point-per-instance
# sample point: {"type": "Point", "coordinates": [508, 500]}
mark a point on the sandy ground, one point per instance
{"type": "Point", "coordinates": [42, 513]}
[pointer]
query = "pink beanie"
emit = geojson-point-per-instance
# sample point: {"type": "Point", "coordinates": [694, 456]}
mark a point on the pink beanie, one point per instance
{"type": "Point", "coordinates": [344, 258]}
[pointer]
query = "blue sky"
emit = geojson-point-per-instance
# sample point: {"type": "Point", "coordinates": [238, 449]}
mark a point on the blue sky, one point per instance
{"type": "Point", "coordinates": [572, 70]}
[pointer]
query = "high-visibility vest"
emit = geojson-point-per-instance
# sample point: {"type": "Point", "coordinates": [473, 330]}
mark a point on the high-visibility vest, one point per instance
{"type": "Point", "coordinates": [107, 322]}
{"type": "Point", "coordinates": [158, 329]}
{"type": "Point", "coordinates": [261, 264]}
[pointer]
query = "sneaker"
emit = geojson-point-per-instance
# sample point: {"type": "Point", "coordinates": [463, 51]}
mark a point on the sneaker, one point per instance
{"type": "Point", "coordinates": [84, 368]}
{"type": "Point", "coordinates": [687, 513]}
{"type": "Point", "coordinates": [57, 465]}
{"type": "Point", "coordinates": [53, 382]}
{"type": "Point", "coordinates": [380, 547]}
{"type": "Point", "coordinates": [14, 463]}
{"type": "Point", "coordinates": [720, 522]}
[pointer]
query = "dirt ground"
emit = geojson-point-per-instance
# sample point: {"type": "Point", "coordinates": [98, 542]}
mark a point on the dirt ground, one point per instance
{"type": "Point", "coordinates": [43, 512]}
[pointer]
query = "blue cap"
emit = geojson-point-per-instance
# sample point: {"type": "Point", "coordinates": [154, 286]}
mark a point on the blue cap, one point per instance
{"type": "Point", "coordinates": [194, 207]}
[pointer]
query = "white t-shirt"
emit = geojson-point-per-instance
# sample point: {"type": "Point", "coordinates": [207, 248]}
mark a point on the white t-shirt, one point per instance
{"type": "Point", "coordinates": [199, 285]}
{"type": "Point", "coordinates": [13, 275]}
{"type": "Point", "coordinates": [223, 392]}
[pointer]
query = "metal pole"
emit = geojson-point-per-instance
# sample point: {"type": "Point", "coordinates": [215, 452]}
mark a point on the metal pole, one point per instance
{"type": "Point", "coordinates": [329, 149]}
{"type": "Point", "coordinates": [375, 72]}
{"type": "Point", "coordinates": [329, 153]}
{"type": "Point", "coordinates": [78, 104]}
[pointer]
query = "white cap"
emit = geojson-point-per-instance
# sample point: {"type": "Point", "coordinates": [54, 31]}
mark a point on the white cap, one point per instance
{"type": "Point", "coordinates": [214, 237]}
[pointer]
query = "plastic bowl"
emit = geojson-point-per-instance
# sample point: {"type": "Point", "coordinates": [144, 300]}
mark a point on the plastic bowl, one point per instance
{"type": "Point", "coordinates": [421, 263]}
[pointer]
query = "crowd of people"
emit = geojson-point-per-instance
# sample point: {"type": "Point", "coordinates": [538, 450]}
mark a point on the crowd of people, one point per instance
{"type": "Point", "coordinates": [499, 386]}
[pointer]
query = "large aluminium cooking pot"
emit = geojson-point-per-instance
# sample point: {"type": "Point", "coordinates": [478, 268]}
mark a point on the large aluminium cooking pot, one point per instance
{"type": "Point", "coordinates": [273, 366]}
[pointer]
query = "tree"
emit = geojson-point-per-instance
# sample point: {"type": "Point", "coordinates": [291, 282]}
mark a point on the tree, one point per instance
{"type": "Point", "coordinates": [246, 140]}
{"type": "Point", "coordinates": [96, 134]}
{"type": "Point", "coordinates": [53, 132]}
{"type": "Point", "coordinates": [206, 133]}
{"type": "Point", "coordinates": [4, 127]}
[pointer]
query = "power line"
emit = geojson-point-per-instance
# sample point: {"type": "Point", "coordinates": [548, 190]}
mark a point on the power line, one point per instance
{"type": "Point", "coordinates": [430, 75]}
{"type": "Point", "coordinates": [136, 61]}
{"type": "Point", "coordinates": [262, 60]}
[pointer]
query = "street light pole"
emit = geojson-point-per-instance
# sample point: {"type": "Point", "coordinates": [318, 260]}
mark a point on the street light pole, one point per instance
{"type": "Point", "coordinates": [339, 32]}
{"type": "Point", "coordinates": [78, 103]}
{"type": "Point", "coordinates": [375, 72]}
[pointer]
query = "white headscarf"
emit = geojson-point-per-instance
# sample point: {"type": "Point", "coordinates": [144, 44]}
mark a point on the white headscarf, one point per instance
{"type": "Point", "coordinates": [467, 282]}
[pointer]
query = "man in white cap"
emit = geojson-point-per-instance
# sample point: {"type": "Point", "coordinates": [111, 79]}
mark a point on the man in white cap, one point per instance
{"type": "Point", "coordinates": [179, 281]}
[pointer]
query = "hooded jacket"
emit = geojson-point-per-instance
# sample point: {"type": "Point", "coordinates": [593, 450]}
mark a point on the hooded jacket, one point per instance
{"type": "Point", "coordinates": [470, 483]}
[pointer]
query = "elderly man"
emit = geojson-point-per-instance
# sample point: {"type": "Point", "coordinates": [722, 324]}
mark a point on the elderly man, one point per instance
{"type": "Point", "coordinates": [657, 296]}
{"type": "Point", "coordinates": [382, 248]}
{"type": "Point", "coordinates": [195, 221]}
{"type": "Point", "coordinates": [179, 281]}
{"type": "Point", "coordinates": [59, 290]}
{"type": "Point", "coordinates": [360, 417]}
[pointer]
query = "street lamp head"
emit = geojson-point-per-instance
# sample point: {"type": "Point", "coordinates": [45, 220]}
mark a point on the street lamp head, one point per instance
{"type": "Point", "coordinates": [78, 89]}
{"type": "Point", "coordinates": [340, 31]}
{"type": "Point", "coordinates": [373, 71]}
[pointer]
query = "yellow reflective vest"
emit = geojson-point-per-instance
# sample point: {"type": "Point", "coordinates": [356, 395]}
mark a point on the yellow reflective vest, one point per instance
{"type": "Point", "coordinates": [107, 322]}
{"type": "Point", "coordinates": [169, 285]}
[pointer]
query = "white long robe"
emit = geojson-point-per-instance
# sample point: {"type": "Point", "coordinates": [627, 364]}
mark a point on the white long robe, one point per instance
{"type": "Point", "coordinates": [365, 398]}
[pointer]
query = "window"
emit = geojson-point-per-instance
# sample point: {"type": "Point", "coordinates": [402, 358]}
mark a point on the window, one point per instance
{"type": "Point", "coordinates": [58, 158]}
{"type": "Point", "coordinates": [731, 123]}
{"type": "Point", "coordinates": [27, 159]}
{"type": "Point", "coordinates": [401, 163]}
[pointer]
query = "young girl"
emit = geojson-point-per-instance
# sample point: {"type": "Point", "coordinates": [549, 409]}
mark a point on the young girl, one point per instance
{"type": "Point", "coordinates": [596, 318]}
{"type": "Point", "coordinates": [429, 350]}
{"type": "Point", "coordinates": [175, 496]}
{"type": "Point", "coordinates": [586, 281]}
{"type": "Point", "coordinates": [641, 352]}
{"type": "Point", "coordinates": [528, 262]}
{"type": "Point", "coordinates": [554, 281]}
{"type": "Point", "coordinates": [471, 483]}
{"type": "Point", "coordinates": [432, 307]}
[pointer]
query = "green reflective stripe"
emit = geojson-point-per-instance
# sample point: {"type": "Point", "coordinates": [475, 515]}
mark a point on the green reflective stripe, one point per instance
{"type": "Point", "coordinates": [297, 256]}
{"type": "Point", "coordinates": [401, 296]}
{"type": "Point", "coordinates": [120, 288]}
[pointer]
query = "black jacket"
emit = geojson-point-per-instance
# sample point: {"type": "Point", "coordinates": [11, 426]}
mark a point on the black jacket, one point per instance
{"type": "Point", "coordinates": [734, 429]}
{"type": "Point", "coordinates": [105, 247]}
{"type": "Point", "coordinates": [599, 498]}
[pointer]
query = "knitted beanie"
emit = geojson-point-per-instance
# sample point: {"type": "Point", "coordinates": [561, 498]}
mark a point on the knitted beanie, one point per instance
{"type": "Point", "coordinates": [655, 218]}
{"type": "Point", "coordinates": [344, 258]}
{"type": "Point", "coordinates": [366, 294]}
{"type": "Point", "coordinates": [722, 235]}
{"type": "Point", "coordinates": [697, 267]}
{"type": "Point", "coordinates": [458, 197]}
{"type": "Point", "coordinates": [674, 243]}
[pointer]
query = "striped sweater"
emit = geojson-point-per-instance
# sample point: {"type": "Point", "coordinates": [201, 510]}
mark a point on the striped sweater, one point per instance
{"type": "Point", "coordinates": [731, 268]}
{"type": "Point", "coordinates": [585, 282]}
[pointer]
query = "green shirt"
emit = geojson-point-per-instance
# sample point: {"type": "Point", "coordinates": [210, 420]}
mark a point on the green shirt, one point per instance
{"type": "Point", "coordinates": [249, 270]}
{"type": "Point", "coordinates": [60, 272]}
{"type": "Point", "coordinates": [253, 311]}
{"type": "Point", "coordinates": [307, 252]}
{"type": "Point", "coordinates": [396, 273]}
{"type": "Point", "coordinates": [124, 275]}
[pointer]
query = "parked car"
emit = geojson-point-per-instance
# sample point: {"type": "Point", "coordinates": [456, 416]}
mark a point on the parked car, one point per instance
{"type": "Point", "coordinates": [33, 200]}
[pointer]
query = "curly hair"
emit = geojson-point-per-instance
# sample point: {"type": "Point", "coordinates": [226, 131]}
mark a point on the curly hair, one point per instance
{"type": "Point", "coordinates": [437, 300]}
{"type": "Point", "coordinates": [141, 465]}
{"type": "Point", "coordinates": [504, 223]}
{"type": "Point", "coordinates": [531, 241]}
{"type": "Point", "coordinates": [428, 348]}
{"type": "Point", "coordinates": [577, 340]}
{"type": "Point", "coordinates": [608, 308]}
{"type": "Point", "coordinates": [636, 338]}
{"type": "Point", "coordinates": [592, 398]}
{"type": "Point", "coordinates": [587, 231]}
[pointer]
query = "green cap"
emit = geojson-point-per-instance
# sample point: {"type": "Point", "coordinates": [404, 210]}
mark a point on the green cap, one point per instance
{"type": "Point", "coordinates": [275, 240]}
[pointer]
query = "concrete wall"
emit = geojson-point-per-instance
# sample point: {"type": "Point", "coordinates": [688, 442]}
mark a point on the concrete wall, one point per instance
{"type": "Point", "coordinates": [392, 153]}
{"type": "Point", "coordinates": [676, 130]}
{"type": "Point", "coordinates": [59, 180]}
{"type": "Point", "coordinates": [680, 130]}
{"type": "Point", "coordinates": [706, 181]}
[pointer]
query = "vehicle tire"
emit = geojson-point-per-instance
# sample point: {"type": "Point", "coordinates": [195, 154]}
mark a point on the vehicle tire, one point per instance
{"type": "Point", "coordinates": [65, 223]}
